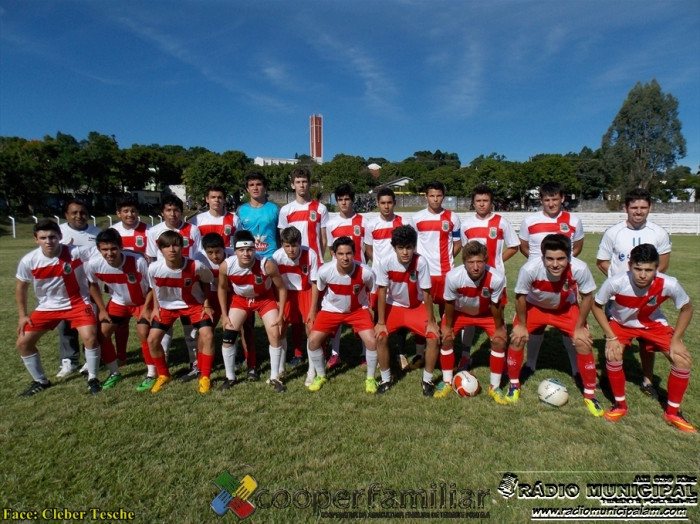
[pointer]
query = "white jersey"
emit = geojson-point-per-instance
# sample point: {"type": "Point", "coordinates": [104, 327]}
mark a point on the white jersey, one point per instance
{"type": "Point", "coordinates": [128, 283]}
{"type": "Point", "coordinates": [619, 240]}
{"type": "Point", "coordinates": [344, 293]}
{"type": "Point", "coordinates": [309, 218]}
{"type": "Point", "coordinates": [474, 298]}
{"type": "Point", "coordinates": [495, 232]}
{"type": "Point", "coordinates": [214, 268]}
{"type": "Point", "coordinates": [636, 307]}
{"type": "Point", "coordinates": [538, 225]}
{"type": "Point", "coordinates": [179, 288]}
{"type": "Point", "coordinates": [354, 227]}
{"type": "Point", "coordinates": [405, 284]}
{"type": "Point", "coordinates": [380, 237]}
{"type": "Point", "coordinates": [297, 274]}
{"type": "Point", "coordinates": [134, 239]}
{"type": "Point", "coordinates": [544, 292]}
{"type": "Point", "coordinates": [59, 282]}
{"type": "Point", "coordinates": [75, 237]}
{"type": "Point", "coordinates": [249, 282]}
{"type": "Point", "coordinates": [190, 235]}
{"type": "Point", "coordinates": [436, 236]}
{"type": "Point", "coordinates": [225, 225]}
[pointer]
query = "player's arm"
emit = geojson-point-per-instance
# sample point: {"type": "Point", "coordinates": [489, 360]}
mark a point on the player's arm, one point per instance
{"type": "Point", "coordinates": [498, 320]}
{"type": "Point", "coordinates": [447, 330]}
{"type": "Point", "coordinates": [456, 247]}
{"type": "Point", "coordinates": [147, 305]}
{"type": "Point", "coordinates": [222, 294]}
{"type": "Point", "coordinates": [581, 334]}
{"type": "Point", "coordinates": [272, 270]}
{"type": "Point", "coordinates": [21, 293]}
{"type": "Point", "coordinates": [96, 295]}
{"type": "Point", "coordinates": [577, 247]}
{"type": "Point", "coordinates": [613, 348]}
{"type": "Point", "coordinates": [432, 326]}
{"type": "Point", "coordinates": [313, 309]}
{"type": "Point", "coordinates": [369, 252]}
{"type": "Point", "coordinates": [664, 261]}
{"type": "Point", "coordinates": [324, 244]}
{"type": "Point", "coordinates": [509, 252]}
{"type": "Point", "coordinates": [603, 265]}
{"type": "Point", "coordinates": [525, 248]}
{"type": "Point", "coordinates": [380, 328]}
{"type": "Point", "coordinates": [685, 315]}
{"type": "Point", "coordinates": [519, 335]}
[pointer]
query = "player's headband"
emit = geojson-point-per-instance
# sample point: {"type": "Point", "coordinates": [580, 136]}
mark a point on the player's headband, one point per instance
{"type": "Point", "coordinates": [244, 243]}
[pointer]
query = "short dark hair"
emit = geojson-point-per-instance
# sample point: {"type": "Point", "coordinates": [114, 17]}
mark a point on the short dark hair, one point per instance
{"type": "Point", "coordinates": [46, 224]}
{"type": "Point", "coordinates": [300, 172]}
{"type": "Point", "coordinates": [78, 201]}
{"type": "Point", "coordinates": [482, 189]}
{"type": "Point", "coordinates": [290, 235]}
{"type": "Point", "coordinates": [644, 253]}
{"type": "Point", "coordinates": [127, 201]}
{"type": "Point", "coordinates": [109, 236]}
{"type": "Point", "coordinates": [404, 236]}
{"type": "Point", "coordinates": [343, 241]}
{"type": "Point", "coordinates": [386, 191]}
{"type": "Point", "coordinates": [216, 188]}
{"type": "Point", "coordinates": [171, 200]}
{"type": "Point", "coordinates": [436, 184]}
{"type": "Point", "coordinates": [242, 234]}
{"type": "Point", "coordinates": [551, 189]}
{"type": "Point", "coordinates": [556, 242]}
{"type": "Point", "coordinates": [170, 238]}
{"type": "Point", "coordinates": [212, 240]}
{"type": "Point", "coordinates": [474, 248]}
{"type": "Point", "coordinates": [255, 175]}
{"type": "Point", "coordinates": [637, 194]}
{"type": "Point", "coordinates": [344, 190]}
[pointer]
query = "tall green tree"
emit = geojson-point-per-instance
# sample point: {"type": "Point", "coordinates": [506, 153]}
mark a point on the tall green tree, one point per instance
{"type": "Point", "coordinates": [645, 139]}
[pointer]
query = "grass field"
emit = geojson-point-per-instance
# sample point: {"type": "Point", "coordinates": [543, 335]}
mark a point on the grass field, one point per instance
{"type": "Point", "coordinates": [156, 456]}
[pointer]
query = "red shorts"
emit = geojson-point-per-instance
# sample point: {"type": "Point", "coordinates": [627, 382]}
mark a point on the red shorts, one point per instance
{"type": "Point", "coordinates": [415, 319]}
{"type": "Point", "coordinates": [437, 289]}
{"type": "Point", "coordinates": [78, 316]}
{"type": "Point", "coordinates": [538, 318]}
{"type": "Point", "coordinates": [657, 338]}
{"type": "Point", "coordinates": [193, 314]}
{"type": "Point", "coordinates": [462, 320]}
{"type": "Point", "coordinates": [121, 314]}
{"type": "Point", "coordinates": [298, 305]}
{"type": "Point", "coordinates": [262, 305]}
{"type": "Point", "coordinates": [328, 322]}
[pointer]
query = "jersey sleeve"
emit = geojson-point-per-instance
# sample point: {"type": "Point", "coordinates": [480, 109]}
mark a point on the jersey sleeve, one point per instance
{"type": "Point", "coordinates": [24, 273]}
{"type": "Point", "coordinates": [456, 228]}
{"type": "Point", "coordinates": [423, 274]}
{"type": "Point", "coordinates": [449, 293]}
{"type": "Point", "coordinates": [498, 284]}
{"type": "Point", "coordinates": [321, 280]}
{"type": "Point", "coordinates": [605, 248]}
{"type": "Point", "coordinates": [313, 263]}
{"type": "Point", "coordinates": [578, 234]}
{"type": "Point", "coordinates": [605, 293]}
{"type": "Point", "coordinates": [677, 293]}
{"type": "Point", "coordinates": [510, 237]}
{"type": "Point", "coordinates": [381, 275]}
{"type": "Point", "coordinates": [204, 273]}
{"type": "Point", "coordinates": [524, 233]}
{"type": "Point", "coordinates": [524, 282]}
{"type": "Point", "coordinates": [584, 278]}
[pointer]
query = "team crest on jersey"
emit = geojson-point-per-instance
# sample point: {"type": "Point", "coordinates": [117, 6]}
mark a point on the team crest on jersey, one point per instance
{"type": "Point", "coordinates": [413, 276]}
{"type": "Point", "coordinates": [312, 216]}
{"type": "Point", "coordinates": [188, 282]}
{"type": "Point", "coordinates": [185, 242]}
{"type": "Point", "coordinates": [566, 285]}
{"type": "Point", "coordinates": [67, 269]}
{"type": "Point", "coordinates": [356, 229]}
{"type": "Point", "coordinates": [139, 241]}
{"type": "Point", "coordinates": [227, 230]}
{"type": "Point", "coordinates": [131, 278]}
{"type": "Point", "coordinates": [485, 292]}
{"type": "Point", "coordinates": [258, 279]}
{"type": "Point", "coordinates": [445, 225]}
{"type": "Point", "coordinates": [493, 232]}
{"type": "Point", "coordinates": [564, 227]}
{"type": "Point", "coordinates": [305, 269]}
{"type": "Point", "coordinates": [652, 301]}
{"type": "Point", "coordinates": [356, 289]}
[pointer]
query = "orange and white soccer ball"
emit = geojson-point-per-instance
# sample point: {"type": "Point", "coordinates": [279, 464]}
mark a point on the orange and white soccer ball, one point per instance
{"type": "Point", "coordinates": [553, 393]}
{"type": "Point", "coordinates": [466, 384]}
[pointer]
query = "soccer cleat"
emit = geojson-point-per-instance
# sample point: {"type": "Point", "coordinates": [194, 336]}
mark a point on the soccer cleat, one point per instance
{"type": "Point", "coordinates": [94, 386]}
{"type": "Point", "coordinates": [318, 383]}
{"type": "Point", "coordinates": [36, 387]}
{"type": "Point", "coordinates": [615, 413]}
{"type": "Point", "coordinates": [428, 388]}
{"type": "Point", "coordinates": [370, 386]}
{"type": "Point", "coordinates": [525, 373]}
{"type": "Point", "coordinates": [513, 394]}
{"type": "Point", "coordinates": [593, 406]}
{"type": "Point", "coordinates": [112, 380]}
{"type": "Point", "coordinates": [67, 368]}
{"type": "Point", "coordinates": [403, 362]}
{"type": "Point", "coordinates": [192, 374]}
{"type": "Point", "coordinates": [252, 375]}
{"type": "Point", "coordinates": [442, 390]}
{"type": "Point", "coordinates": [417, 362]}
{"type": "Point", "coordinates": [227, 384]}
{"type": "Point", "coordinates": [383, 387]}
{"type": "Point", "coordinates": [497, 395]}
{"type": "Point", "coordinates": [680, 422]}
{"type": "Point", "coordinates": [147, 384]}
{"type": "Point", "coordinates": [649, 390]}
{"type": "Point", "coordinates": [310, 376]}
{"type": "Point", "coordinates": [296, 362]}
{"type": "Point", "coordinates": [333, 362]}
{"type": "Point", "coordinates": [161, 381]}
{"type": "Point", "coordinates": [84, 369]}
{"type": "Point", "coordinates": [277, 385]}
{"type": "Point", "coordinates": [204, 385]}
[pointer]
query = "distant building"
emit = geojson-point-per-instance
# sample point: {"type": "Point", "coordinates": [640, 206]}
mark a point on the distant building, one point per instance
{"type": "Point", "coordinates": [374, 168]}
{"type": "Point", "coordinates": [271, 161]}
{"type": "Point", "coordinates": [397, 184]}
{"type": "Point", "coordinates": [316, 138]}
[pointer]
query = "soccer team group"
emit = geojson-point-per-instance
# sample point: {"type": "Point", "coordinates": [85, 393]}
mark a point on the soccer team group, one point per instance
{"type": "Point", "coordinates": [224, 266]}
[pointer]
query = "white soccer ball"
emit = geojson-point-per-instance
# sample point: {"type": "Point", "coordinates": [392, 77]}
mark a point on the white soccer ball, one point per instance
{"type": "Point", "coordinates": [466, 384]}
{"type": "Point", "coordinates": [553, 393]}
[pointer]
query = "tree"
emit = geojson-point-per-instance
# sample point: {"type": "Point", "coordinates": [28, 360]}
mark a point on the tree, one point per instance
{"type": "Point", "coordinates": [645, 139]}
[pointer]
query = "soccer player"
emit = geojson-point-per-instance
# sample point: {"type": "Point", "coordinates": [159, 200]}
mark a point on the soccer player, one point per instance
{"type": "Point", "coordinates": [57, 274]}
{"type": "Point", "coordinates": [252, 278]}
{"type": "Point", "coordinates": [473, 293]}
{"type": "Point", "coordinates": [125, 274]}
{"type": "Point", "coordinates": [500, 239]}
{"type": "Point", "coordinates": [346, 283]}
{"type": "Point", "coordinates": [298, 266]}
{"type": "Point", "coordinates": [307, 215]}
{"type": "Point", "coordinates": [636, 313]}
{"type": "Point", "coordinates": [259, 215]}
{"type": "Point", "coordinates": [403, 301]}
{"type": "Point", "coordinates": [216, 219]}
{"type": "Point", "coordinates": [546, 294]}
{"type": "Point", "coordinates": [614, 253]}
{"type": "Point", "coordinates": [178, 292]}
{"type": "Point", "coordinates": [553, 219]}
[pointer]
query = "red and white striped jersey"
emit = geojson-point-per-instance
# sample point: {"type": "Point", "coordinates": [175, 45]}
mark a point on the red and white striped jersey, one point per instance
{"type": "Point", "coordinates": [354, 227]}
{"type": "Point", "coordinates": [404, 284]}
{"type": "Point", "coordinates": [297, 274]}
{"type": "Point", "coordinates": [225, 225]}
{"type": "Point", "coordinates": [544, 292]}
{"type": "Point", "coordinates": [190, 235]}
{"type": "Point", "coordinates": [135, 239]}
{"type": "Point", "coordinates": [495, 232]}
{"type": "Point", "coordinates": [538, 225]}
{"type": "Point", "coordinates": [179, 288]}
{"type": "Point", "coordinates": [436, 235]}
{"type": "Point", "coordinates": [214, 268]}
{"type": "Point", "coordinates": [59, 282]}
{"type": "Point", "coordinates": [128, 283]}
{"type": "Point", "coordinates": [344, 293]}
{"type": "Point", "coordinates": [474, 298]}
{"type": "Point", "coordinates": [636, 307]}
{"type": "Point", "coordinates": [309, 218]}
{"type": "Point", "coordinates": [248, 282]}
{"type": "Point", "coordinates": [380, 237]}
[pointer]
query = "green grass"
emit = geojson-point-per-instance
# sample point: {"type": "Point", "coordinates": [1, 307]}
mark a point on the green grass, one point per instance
{"type": "Point", "coordinates": [156, 455]}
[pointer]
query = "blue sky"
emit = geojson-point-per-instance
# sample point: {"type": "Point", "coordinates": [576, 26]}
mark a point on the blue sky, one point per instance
{"type": "Point", "coordinates": [389, 77]}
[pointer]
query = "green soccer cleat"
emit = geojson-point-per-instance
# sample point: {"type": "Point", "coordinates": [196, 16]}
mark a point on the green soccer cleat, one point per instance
{"type": "Point", "coordinates": [513, 394]}
{"type": "Point", "coordinates": [370, 386]}
{"type": "Point", "coordinates": [593, 407]}
{"type": "Point", "coordinates": [318, 383]}
{"type": "Point", "coordinates": [443, 389]}
{"type": "Point", "coordinates": [112, 380]}
{"type": "Point", "coordinates": [147, 384]}
{"type": "Point", "coordinates": [497, 395]}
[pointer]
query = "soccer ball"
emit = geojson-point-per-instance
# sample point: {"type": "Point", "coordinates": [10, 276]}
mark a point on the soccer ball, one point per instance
{"type": "Point", "coordinates": [553, 393]}
{"type": "Point", "coordinates": [466, 384]}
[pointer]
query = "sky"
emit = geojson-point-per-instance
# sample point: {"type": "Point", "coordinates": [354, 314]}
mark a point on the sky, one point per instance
{"type": "Point", "coordinates": [512, 77]}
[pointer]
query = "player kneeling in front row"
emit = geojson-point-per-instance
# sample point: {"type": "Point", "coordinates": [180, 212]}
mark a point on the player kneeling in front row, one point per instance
{"type": "Point", "coordinates": [473, 297]}
{"type": "Point", "coordinates": [177, 283]}
{"type": "Point", "coordinates": [125, 274]}
{"type": "Point", "coordinates": [403, 300]}
{"type": "Point", "coordinates": [57, 274]}
{"type": "Point", "coordinates": [635, 313]}
{"type": "Point", "coordinates": [347, 284]}
{"type": "Point", "coordinates": [546, 295]}
{"type": "Point", "coordinates": [252, 278]}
